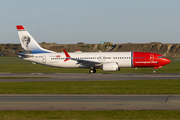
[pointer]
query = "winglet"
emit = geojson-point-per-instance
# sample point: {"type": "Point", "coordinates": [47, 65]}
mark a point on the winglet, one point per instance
{"type": "Point", "coordinates": [67, 55]}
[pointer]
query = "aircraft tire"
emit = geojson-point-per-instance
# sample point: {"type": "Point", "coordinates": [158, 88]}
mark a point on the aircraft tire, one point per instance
{"type": "Point", "coordinates": [91, 71]}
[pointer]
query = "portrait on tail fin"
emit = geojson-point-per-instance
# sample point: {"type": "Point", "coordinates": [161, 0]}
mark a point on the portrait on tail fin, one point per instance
{"type": "Point", "coordinates": [26, 40]}
{"type": "Point", "coordinates": [28, 43]}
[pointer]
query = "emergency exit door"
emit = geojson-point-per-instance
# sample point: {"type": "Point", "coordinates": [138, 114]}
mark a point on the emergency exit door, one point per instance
{"type": "Point", "coordinates": [44, 59]}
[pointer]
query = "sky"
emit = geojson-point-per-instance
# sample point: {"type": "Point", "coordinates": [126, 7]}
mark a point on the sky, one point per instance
{"type": "Point", "coordinates": [91, 21]}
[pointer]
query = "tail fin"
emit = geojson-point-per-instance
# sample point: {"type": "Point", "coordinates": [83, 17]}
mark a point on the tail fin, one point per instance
{"type": "Point", "coordinates": [29, 45]}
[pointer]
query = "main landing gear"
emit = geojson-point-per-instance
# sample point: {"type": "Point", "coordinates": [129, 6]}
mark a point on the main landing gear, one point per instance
{"type": "Point", "coordinates": [92, 70]}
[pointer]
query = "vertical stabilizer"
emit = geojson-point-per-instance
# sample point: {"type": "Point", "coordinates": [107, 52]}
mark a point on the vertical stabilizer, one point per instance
{"type": "Point", "coordinates": [29, 45]}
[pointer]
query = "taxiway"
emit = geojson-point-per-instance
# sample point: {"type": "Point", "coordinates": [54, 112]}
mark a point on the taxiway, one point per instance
{"type": "Point", "coordinates": [88, 102]}
{"type": "Point", "coordinates": [88, 76]}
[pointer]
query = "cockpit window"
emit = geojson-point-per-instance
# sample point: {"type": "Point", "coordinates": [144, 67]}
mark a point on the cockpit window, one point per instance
{"type": "Point", "coordinates": [160, 56]}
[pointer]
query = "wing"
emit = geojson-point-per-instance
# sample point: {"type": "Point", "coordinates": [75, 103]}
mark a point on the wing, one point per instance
{"type": "Point", "coordinates": [85, 63]}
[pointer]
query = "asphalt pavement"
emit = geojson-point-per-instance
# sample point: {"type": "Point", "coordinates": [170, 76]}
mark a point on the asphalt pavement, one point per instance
{"type": "Point", "coordinates": [89, 102]}
{"type": "Point", "coordinates": [88, 76]}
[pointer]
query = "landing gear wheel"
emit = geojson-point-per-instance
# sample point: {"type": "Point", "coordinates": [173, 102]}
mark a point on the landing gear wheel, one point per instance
{"type": "Point", "coordinates": [92, 71]}
{"type": "Point", "coordinates": [154, 71]}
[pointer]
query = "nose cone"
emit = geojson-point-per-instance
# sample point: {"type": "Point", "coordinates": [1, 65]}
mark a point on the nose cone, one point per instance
{"type": "Point", "coordinates": [166, 61]}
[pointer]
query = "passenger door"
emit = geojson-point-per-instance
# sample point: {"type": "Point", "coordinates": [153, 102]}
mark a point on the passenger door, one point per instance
{"type": "Point", "coordinates": [44, 59]}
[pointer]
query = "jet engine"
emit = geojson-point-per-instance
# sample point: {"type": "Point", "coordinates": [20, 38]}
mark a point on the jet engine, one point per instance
{"type": "Point", "coordinates": [111, 66]}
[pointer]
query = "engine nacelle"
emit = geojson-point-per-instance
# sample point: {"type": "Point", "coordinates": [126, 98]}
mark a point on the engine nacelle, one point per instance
{"type": "Point", "coordinates": [111, 66]}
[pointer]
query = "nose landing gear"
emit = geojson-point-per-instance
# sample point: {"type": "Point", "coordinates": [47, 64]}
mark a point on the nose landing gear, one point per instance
{"type": "Point", "coordinates": [154, 71]}
{"type": "Point", "coordinates": [155, 68]}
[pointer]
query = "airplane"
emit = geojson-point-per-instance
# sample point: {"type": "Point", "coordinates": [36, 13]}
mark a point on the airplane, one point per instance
{"type": "Point", "coordinates": [107, 61]}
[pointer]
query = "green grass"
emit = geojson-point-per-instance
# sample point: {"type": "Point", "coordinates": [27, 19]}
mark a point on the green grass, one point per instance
{"type": "Point", "coordinates": [89, 115]}
{"type": "Point", "coordinates": [93, 87]}
{"type": "Point", "coordinates": [16, 65]}
{"type": "Point", "coordinates": [5, 58]}
{"type": "Point", "coordinates": [23, 77]}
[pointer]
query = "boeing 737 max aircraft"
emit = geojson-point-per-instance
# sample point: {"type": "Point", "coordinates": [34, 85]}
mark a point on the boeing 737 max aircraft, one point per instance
{"type": "Point", "coordinates": [107, 61]}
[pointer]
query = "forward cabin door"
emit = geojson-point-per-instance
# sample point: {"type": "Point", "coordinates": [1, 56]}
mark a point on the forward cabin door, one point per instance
{"type": "Point", "coordinates": [151, 59]}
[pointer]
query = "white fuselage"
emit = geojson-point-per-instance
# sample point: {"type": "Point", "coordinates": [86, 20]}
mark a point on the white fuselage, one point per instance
{"type": "Point", "coordinates": [124, 59]}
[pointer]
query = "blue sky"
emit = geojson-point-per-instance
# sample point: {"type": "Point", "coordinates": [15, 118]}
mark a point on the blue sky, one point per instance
{"type": "Point", "coordinates": [91, 21]}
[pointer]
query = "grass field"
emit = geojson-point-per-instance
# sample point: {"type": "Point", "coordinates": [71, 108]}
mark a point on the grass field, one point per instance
{"type": "Point", "coordinates": [93, 87]}
{"type": "Point", "coordinates": [89, 115]}
{"type": "Point", "coordinates": [23, 77]}
{"type": "Point", "coordinates": [16, 65]}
